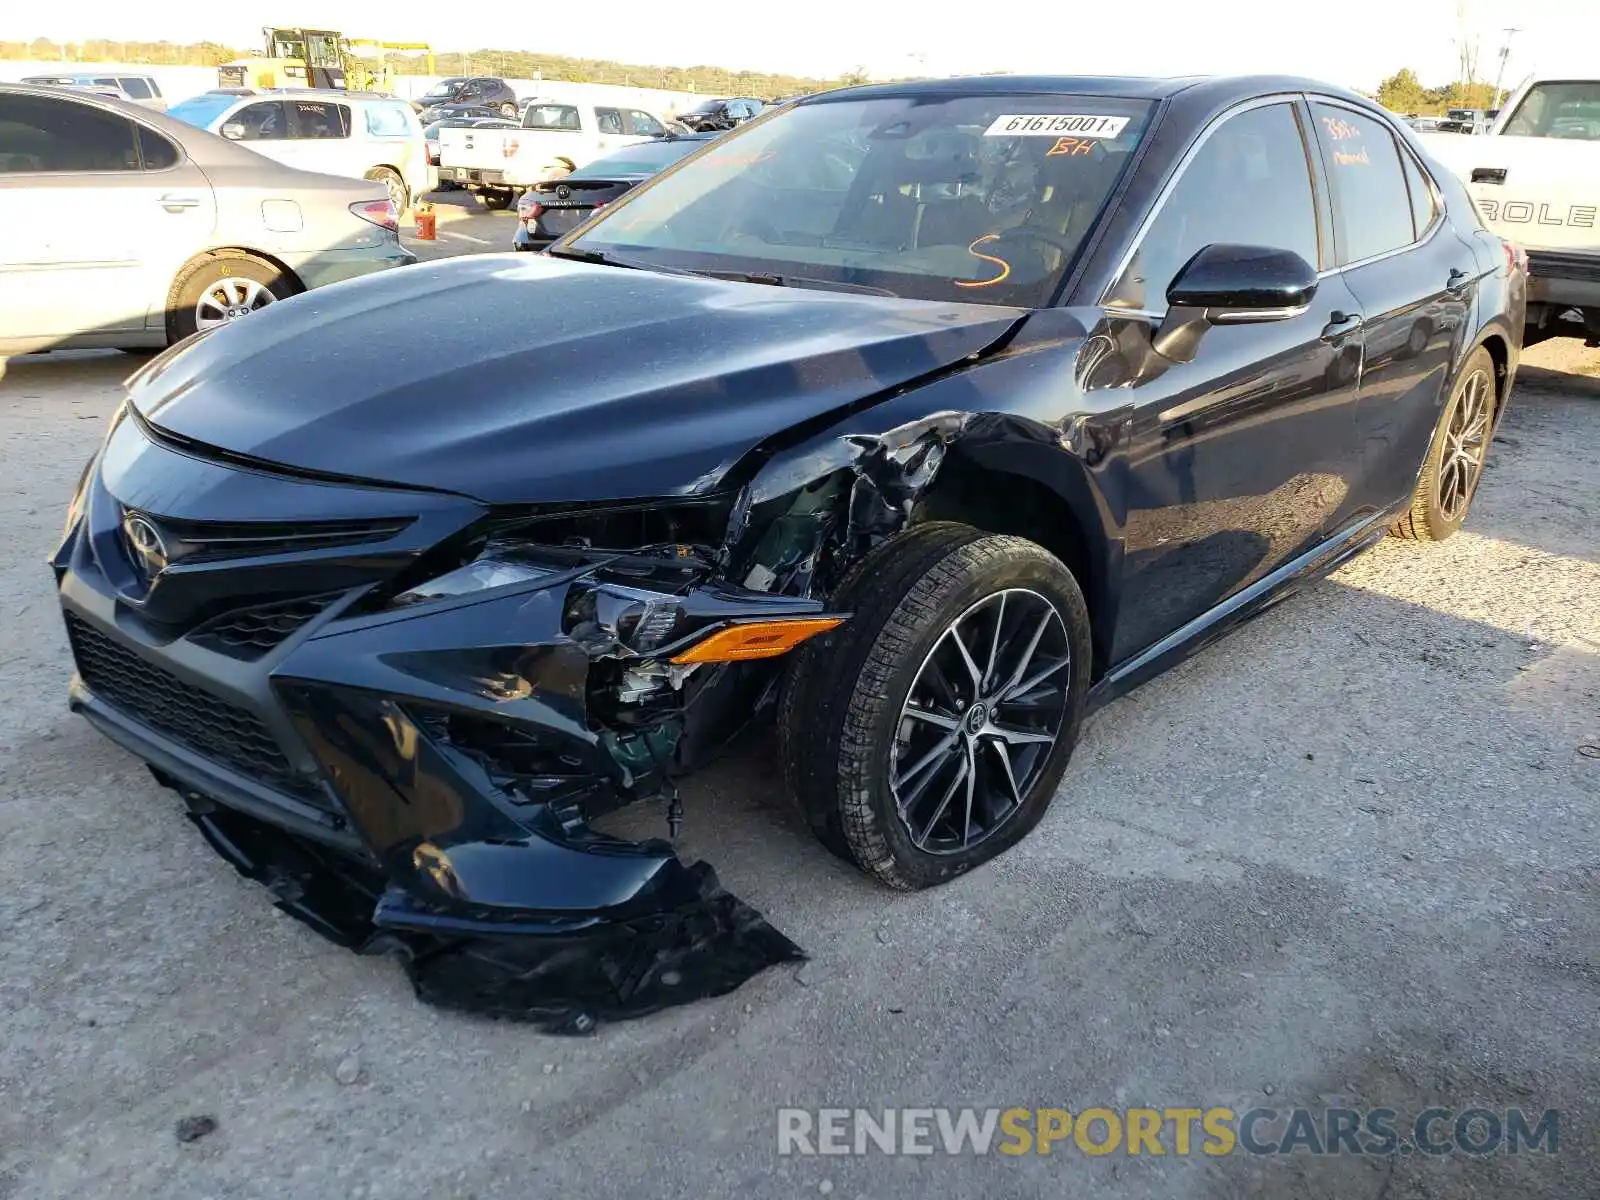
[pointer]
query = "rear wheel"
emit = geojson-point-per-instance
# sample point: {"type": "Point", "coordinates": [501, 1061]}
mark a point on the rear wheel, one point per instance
{"type": "Point", "coordinates": [929, 734]}
{"type": "Point", "coordinates": [508, 111]}
{"type": "Point", "coordinates": [399, 194]}
{"type": "Point", "coordinates": [1454, 465]}
{"type": "Point", "coordinates": [220, 289]}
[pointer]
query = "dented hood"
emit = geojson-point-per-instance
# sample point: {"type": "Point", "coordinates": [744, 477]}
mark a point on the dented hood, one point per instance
{"type": "Point", "coordinates": [523, 379]}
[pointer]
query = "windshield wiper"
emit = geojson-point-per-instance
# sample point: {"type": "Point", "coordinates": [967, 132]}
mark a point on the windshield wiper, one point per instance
{"type": "Point", "coordinates": [799, 281]}
{"type": "Point", "coordinates": [607, 259]}
{"type": "Point", "coordinates": [615, 260]}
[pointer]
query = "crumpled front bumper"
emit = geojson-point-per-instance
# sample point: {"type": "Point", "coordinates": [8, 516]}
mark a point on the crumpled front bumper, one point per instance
{"type": "Point", "coordinates": [426, 780]}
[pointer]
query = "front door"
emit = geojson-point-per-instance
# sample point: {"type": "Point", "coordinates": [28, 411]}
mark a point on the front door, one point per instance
{"type": "Point", "coordinates": [1243, 458]}
{"type": "Point", "coordinates": [1416, 281]}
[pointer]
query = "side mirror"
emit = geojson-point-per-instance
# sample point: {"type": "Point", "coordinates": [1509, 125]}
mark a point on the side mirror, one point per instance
{"type": "Point", "coordinates": [1232, 285]}
{"type": "Point", "coordinates": [233, 131]}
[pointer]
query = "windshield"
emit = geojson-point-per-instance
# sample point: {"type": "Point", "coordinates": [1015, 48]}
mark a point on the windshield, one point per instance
{"type": "Point", "coordinates": [1461, 114]}
{"type": "Point", "coordinates": [442, 90]}
{"type": "Point", "coordinates": [200, 111]}
{"type": "Point", "coordinates": [977, 198]}
{"type": "Point", "coordinates": [1558, 110]}
{"type": "Point", "coordinates": [644, 159]}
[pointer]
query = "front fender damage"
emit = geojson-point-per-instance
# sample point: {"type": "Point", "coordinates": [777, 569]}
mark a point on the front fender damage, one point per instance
{"type": "Point", "coordinates": [472, 761]}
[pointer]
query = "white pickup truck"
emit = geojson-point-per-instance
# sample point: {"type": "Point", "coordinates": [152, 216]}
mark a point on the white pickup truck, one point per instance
{"type": "Point", "coordinates": [554, 138]}
{"type": "Point", "coordinates": [1536, 180]}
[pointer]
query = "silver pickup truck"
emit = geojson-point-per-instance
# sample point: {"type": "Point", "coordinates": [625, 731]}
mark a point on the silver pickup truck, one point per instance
{"type": "Point", "coordinates": [1536, 180]}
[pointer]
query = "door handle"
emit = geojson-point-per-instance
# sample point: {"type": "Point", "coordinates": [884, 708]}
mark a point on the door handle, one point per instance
{"type": "Point", "coordinates": [1341, 325]}
{"type": "Point", "coordinates": [1457, 281]}
{"type": "Point", "coordinates": [173, 203]}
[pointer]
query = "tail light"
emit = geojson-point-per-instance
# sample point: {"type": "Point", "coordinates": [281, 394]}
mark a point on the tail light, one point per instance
{"type": "Point", "coordinates": [378, 212]}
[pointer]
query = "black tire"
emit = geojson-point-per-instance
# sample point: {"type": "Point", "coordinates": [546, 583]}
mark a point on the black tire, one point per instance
{"type": "Point", "coordinates": [1432, 517]}
{"type": "Point", "coordinates": [508, 111]}
{"type": "Point", "coordinates": [842, 705]}
{"type": "Point", "coordinates": [205, 274]}
{"type": "Point", "coordinates": [398, 191]}
{"type": "Point", "coordinates": [497, 200]}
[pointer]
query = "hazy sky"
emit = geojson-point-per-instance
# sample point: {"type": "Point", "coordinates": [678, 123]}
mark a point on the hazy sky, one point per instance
{"type": "Point", "coordinates": [1353, 42]}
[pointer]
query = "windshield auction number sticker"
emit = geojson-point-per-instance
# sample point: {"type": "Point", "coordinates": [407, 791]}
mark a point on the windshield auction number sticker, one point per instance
{"type": "Point", "coordinates": [1056, 125]}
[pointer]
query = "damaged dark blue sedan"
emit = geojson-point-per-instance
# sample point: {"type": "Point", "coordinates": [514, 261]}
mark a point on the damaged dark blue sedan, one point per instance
{"type": "Point", "coordinates": [921, 418]}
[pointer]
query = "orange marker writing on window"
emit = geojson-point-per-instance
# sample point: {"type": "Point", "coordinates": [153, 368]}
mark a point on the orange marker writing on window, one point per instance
{"type": "Point", "coordinates": [1005, 267]}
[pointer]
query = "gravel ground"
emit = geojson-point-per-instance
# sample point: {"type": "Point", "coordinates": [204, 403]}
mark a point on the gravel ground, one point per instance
{"type": "Point", "coordinates": [1350, 856]}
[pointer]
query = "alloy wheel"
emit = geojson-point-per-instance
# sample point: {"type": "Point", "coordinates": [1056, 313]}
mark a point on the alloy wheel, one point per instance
{"type": "Point", "coordinates": [980, 720]}
{"type": "Point", "coordinates": [228, 299]}
{"type": "Point", "coordinates": [1466, 443]}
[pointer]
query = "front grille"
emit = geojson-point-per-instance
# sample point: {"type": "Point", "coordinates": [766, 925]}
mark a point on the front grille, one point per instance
{"type": "Point", "coordinates": [194, 541]}
{"type": "Point", "coordinates": [206, 724]}
{"type": "Point", "coordinates": [251, 632]}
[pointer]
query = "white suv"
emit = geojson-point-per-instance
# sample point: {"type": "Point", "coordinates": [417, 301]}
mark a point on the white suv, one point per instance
{"type": "Point", "coordinates": [141, 89]}
{"type": "Point", "coordinates": [357, 134]}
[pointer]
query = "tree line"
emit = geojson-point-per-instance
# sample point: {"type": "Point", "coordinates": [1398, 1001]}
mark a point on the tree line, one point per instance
{"type": "Point", "coordinates": [1403, 93]}
{"type": "Point", "coordinates": [510, 64]}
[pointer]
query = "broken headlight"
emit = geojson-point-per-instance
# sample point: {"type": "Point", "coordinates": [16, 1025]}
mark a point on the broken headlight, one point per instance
{"type": "Point", "coordinates": [498, 566]}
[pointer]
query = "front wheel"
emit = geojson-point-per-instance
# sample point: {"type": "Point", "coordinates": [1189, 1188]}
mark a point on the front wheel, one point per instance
{"type": "Point", "coordinates": [929, 734]}
{"type": "Point", "coordinates": [1454, 465]}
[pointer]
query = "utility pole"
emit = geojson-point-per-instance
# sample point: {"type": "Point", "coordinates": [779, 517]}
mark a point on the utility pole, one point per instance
{"type": "Point", "coordinates": [1505, 53]}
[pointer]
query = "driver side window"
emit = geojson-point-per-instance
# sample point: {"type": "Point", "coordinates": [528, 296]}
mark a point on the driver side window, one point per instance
{"type": "Point", "coordinates": [1249, 184]}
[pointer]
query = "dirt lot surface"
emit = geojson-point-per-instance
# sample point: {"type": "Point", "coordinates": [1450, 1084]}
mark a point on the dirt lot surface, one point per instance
{"type": "Point", "coordinates": [1350, 856]}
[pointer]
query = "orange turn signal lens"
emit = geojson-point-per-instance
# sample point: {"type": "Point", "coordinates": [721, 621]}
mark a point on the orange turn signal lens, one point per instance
{"type": "Point", "coordinates": [756, 639]}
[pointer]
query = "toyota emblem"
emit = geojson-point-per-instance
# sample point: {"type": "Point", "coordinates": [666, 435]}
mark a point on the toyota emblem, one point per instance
{"type": "Point", "coordinates": [144, 542]}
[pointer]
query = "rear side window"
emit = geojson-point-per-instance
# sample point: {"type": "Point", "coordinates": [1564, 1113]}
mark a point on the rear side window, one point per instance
{"type": "Point", "coordinates": [135, 88]}
{"type": "Point", "coordinates": [1423, 205]}
{"type": "Point", "coordinates": [1371, 206]}
{"type": "Point", "coordinates": [38, 134]}
{"type": "Point", "coordinates": [318, 120]}
{"type": "Point", "coordinates": [387, 120]}
{"type": "Point", "coordinates": [642, 123]}
{"type": "Point", "coordinates": [1248, 184]}
{"type": "Point", "coordinates": [608, 120]}
{"type": "Point", "coordinates": [550, 116]}
{"type": "Point", "coordinates": [157, 152]}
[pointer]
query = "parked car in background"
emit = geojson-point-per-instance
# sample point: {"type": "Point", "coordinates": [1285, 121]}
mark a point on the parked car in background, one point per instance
{"type": "Point", "coordinates": [141, 89]}
{"type": "Point", "coordinates": [1464, 120]}
{"type": "Point", "coordinates": [450, 96]}
{"type": "Point", "coordinates": [430, 134]}
{"type": "Point", "coordinates": [920, 419]}
{"type": "Point", "coordinates": [357, 134]}
{"type": "Point", "coordinates": [129, 229]}
{"type": "Point", "coordinates": [554, 208]}
{"type": "Point", "coordinates": [553, 139]}
{"type": "Point", "coordinates": [1536, 179]}
{"type": "Point", "coordinates": [1424, 124]}
{"type": "Point", "coordinates": [711, 116]}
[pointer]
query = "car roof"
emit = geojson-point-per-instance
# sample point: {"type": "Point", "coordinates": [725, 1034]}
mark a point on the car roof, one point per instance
{"type": "Point", "coordinates": [1133, 87]}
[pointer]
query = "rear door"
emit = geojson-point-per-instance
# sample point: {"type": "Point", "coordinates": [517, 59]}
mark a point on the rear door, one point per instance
{"type": "Point", "coordinates": [98, 212]}
{"type": "Point", "coordinates": [320, 139]}
{"type": "Point", "coordinates": [1416, 281]}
